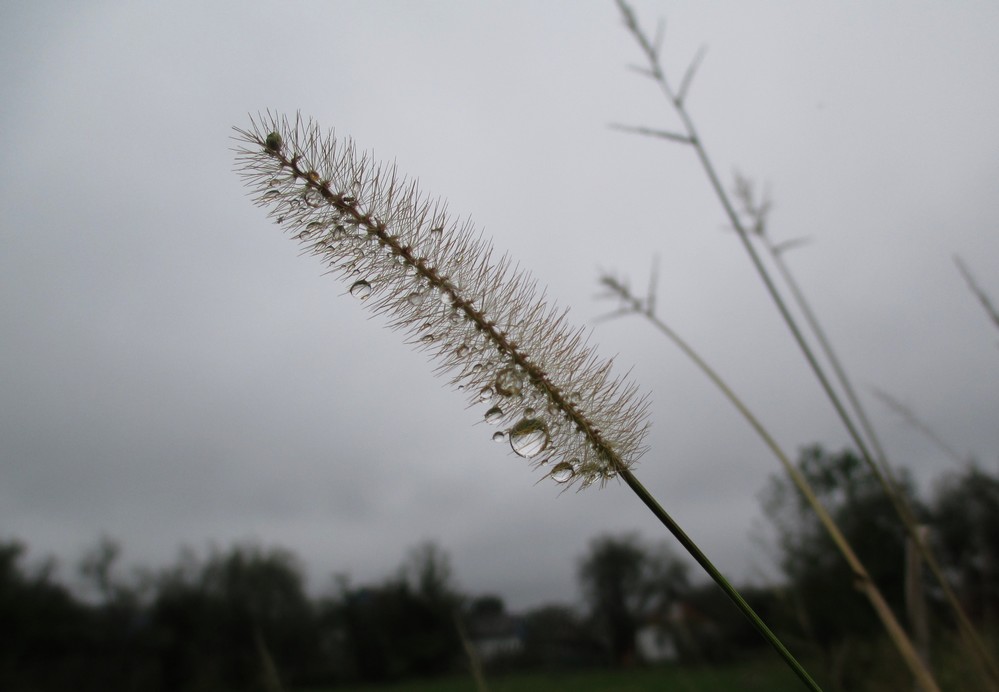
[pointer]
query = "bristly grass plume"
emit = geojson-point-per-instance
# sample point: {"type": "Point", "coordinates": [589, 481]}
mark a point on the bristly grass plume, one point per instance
{"type": "Point", "coordinates": [484, 321]}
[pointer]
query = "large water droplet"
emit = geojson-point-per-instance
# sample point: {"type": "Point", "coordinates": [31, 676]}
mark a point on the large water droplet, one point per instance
{"type": "Point", "coordinates": [529, 437]}
{"type": "Point", "coordinates": [563, 472]}
{"type": "Point", "coordinates": [499, 436]}
{"type": "Point", "coordinates": [312, 197]}
{"type": "Point", "coordinates": [509, 381]}
{"type": "Point", "coordinates": [361, 289]}
{"type": "Point", "coordinates": [494, 415]}
{"type": "Point", "coordinates": [485, 393]}
{"type": "Point", "coordinates": [272, 194]}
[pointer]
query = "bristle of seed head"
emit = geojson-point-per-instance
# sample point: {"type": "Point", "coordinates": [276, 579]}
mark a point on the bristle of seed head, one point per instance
{"type": "Point", "coordinates": [484, 322]}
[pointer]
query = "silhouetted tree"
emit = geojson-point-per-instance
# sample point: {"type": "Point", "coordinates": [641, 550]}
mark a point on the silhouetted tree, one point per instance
{"type": "Point", "coordinates": [219, 626]}
{"type": "Point", "coordinates": [46, 636]}
{"type": "Point", "coordinates": [624, 582]}
{"type": "Point", "coordinates": [965, 522]}
{"type": "Point", "coordinates": [404, 626]}
{"type": "Point", "coordinates": [820, 594]}
{"type": "Point", "coordinates": [556, 637]}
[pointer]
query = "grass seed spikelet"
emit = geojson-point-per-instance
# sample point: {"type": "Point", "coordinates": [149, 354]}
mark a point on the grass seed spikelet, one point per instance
{"type": "Point", "coordinates": [485, 322]}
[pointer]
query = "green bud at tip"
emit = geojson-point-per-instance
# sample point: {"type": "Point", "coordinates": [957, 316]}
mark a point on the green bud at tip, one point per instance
{"type": "Point", "coordinates": [273, 142]}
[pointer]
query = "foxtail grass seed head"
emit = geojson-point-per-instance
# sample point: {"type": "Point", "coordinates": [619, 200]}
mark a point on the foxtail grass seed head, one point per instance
{"type": "Point", "coordinates": [485, 322]}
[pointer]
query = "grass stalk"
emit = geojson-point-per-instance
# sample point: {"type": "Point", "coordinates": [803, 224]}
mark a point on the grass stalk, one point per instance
{"type": "Point", "coordinates": [646, 497]}
{"type": "Point", "coordinates": [481, 319]}
{"type": "Point", "coordinates": [862, 579]}
{"type": "Point", "coordinates": [471, 655]}
{"type": "Point", "coordinates": [978, 291]}
{"type": "Point", "coordinates": [878, 463]}
{"type": "Point", "coordinates": [691, 137]}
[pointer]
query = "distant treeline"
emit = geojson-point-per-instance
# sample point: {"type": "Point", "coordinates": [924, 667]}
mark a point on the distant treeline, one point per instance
{"type": "Point", "coordinates": [240, 618]}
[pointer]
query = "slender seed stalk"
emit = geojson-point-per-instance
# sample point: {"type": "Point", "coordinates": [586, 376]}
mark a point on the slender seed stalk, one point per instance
{"type": "Point", "coordinates": [861, 577]}
{"type": "Point", "coordinates": [985, 663]}
{"type": "Point", "coordinates": [758, 212]}
{"type": "Point", "coordinates": [481, 320]}
{"type": "Point", "coordinates": [913, 420]}
{"type": "Point", "coordinates": [690, 136]}
{"type": "Point", "coordinates": [718, 578]}
{"type": "Point", "coordinates": [978, 291]}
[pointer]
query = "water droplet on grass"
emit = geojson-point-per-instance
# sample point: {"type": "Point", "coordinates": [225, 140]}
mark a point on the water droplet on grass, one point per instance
{"type": "Point", "coordinates": [361, 289]}
{"type": "Point", "coordinates": [494, 415]}
{"type": "Point", "coordinates": [509, 382]}
{"type": "Point", "coordinates": [529, 437]}
{"type": "Point", "coordinates": [313, 198]}
{"type": "Point", "coordinates": [563, 472]}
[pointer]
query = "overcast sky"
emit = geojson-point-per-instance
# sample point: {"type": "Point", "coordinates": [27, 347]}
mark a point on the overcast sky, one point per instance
{"type": "Point", "coordinates": [173, 373]}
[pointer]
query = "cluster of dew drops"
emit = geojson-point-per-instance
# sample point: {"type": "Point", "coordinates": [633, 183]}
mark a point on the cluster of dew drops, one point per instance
{"type": "Point", "coordinates": [529, 437]}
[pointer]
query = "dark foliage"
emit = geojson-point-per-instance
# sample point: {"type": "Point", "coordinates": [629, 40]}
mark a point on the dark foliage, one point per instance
{"type": "Point", "coordinates": [966, 532]}
{"type": "Point", "coordinates": [240, 619]}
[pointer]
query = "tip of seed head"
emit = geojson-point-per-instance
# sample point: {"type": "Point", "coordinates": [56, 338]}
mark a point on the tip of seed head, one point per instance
{"type": "Point", "coordinates": [273, 142]}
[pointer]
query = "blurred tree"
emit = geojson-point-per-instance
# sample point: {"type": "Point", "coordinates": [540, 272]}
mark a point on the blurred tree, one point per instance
{"type": "Point", "coordinates": [241, 610]}
{"type": "Point", "coordinates": [487, 606]}
{"type": "Point", "coordinates": [611, 578]}
{"type": "Point", "coordinates": [965, 519]}
{"type": "Point", "coordinates": [821, 596]}
{"type": "Point", "coordinates": [404, 626]}
{"type": "Point", "coordinates": [45, 634]}
{"type": "Point", "coordinates": [97, 566]}
{"type": "Point", "coordinates": [623, 583]}
{"type": "Point", "coordinates": [427, 571]}
{"type": "Point", "coordinates": [556, 637]}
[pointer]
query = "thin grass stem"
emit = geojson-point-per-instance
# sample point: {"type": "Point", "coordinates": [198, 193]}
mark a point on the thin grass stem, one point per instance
{"type": "Point", "coordinates": [862, 579]}
{"type": "Point", "coordinates": [717, 577]}
{"type": "Point", "coordinates": [905, 513]}
{"type": "Point", "coordinates": [479, 318]}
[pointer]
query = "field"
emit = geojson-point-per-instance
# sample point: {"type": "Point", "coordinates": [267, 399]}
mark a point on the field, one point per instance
{"type": "Point", "coordinates": [750, 677]}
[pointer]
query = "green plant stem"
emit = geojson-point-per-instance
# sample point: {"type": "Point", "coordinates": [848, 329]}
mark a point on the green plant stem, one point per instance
{"type": "Point", "coordinates": [717, 576]}
{"type": "Point", "coordinates": [904, 512]}
{"type": "Point", "coordinates": [984, 661]}
{"type": "Point", "coordinates": [862, 579]}
{"type": "Point", "coordinates": [908, 519]}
